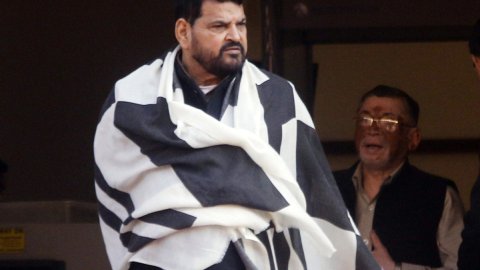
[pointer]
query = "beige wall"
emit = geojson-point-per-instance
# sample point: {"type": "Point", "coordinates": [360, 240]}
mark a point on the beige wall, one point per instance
{"type": "Point", "coordinates": [439, 75]}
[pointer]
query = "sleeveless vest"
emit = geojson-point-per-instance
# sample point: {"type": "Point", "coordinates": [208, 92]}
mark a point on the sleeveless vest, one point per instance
{"type": "Point", "coordinates": [407, 213]}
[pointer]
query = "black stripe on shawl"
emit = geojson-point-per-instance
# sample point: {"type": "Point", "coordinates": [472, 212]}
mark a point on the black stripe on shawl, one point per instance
{"type": "Point", "coordinates": [134, 242]}
{"type": "Point", "coordinates": [121, 197]}
{"type": "Point", "coordinates": [170, 218]}
{"type": "Point", "coordinates": [228, 176]}
{"type": "Point", "coordinates": [364, 259]}
{"type": "Point", "coordinates": [131, 241]}
{"type": "Point", "coordinates": [109, 217]}
{"type": "Point", "coordinates": [149, 126]}
{"type": "Point", "coordinates": [315, 178]}
{"type": "Point", "coordinates": [297, 245]}
{"type": "Point", "coordinates": [274, 95]}
{"type": "Point", "coordinates": [215, 175]}
{"type": "Point", "coordinates": [282, 250]}
{"type": "Point", "coordinates": [263, 237]}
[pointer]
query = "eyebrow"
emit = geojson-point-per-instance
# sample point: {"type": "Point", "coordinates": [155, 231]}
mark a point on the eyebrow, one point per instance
{"type": "Point", "coordinates": [222, 21]}
{"type": "Point", "coordinates": [384, 114]}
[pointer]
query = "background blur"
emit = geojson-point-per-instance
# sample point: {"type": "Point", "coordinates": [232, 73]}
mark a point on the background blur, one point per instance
{"type": "Point", "coordinates": [59, 60]}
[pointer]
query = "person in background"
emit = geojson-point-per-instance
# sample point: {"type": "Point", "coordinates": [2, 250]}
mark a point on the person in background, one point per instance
{"type": "Point", "coordinates": [469, 252]}
{"type": "Point", "coordinates": [410, 219]}
{"type": "Point", "coordinates": [204, 161]}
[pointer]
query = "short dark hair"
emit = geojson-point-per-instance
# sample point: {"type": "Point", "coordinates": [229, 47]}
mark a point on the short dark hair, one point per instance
{"type": "Point", "coordinates": [474, 42]}
{"type": "Point", "coordinates": [190, 10]}
{"type": "Point", "coordinates": [392, 92]}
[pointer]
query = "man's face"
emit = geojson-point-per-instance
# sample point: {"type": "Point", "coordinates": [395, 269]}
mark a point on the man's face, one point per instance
{"type": "Point", "coordinates": [381, 149]}
{"type": "Point", "coordinates": [219, 38]}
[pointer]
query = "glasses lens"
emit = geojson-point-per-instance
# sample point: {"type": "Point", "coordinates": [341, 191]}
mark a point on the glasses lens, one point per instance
{"type": "Point", "coordinates": [364, 121]}
{"type": "Point", "coordinates": [388, 124]}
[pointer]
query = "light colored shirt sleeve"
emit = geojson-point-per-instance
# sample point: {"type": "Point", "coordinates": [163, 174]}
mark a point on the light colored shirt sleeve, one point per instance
{"type": "Point", "coordinates": [449, 233]}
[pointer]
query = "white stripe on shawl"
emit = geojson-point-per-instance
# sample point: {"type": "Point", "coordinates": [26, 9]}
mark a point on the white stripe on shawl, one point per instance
{"type": "Point", "coordinates": [345, 242]}
{"type": "Point", "coordinates": [118, 256]}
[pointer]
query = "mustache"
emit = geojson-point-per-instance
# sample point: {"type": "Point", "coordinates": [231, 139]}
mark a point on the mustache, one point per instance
{"type": "Point", "coordinates": [232, 44]}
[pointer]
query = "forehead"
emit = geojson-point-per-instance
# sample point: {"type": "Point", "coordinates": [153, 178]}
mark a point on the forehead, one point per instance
{"type": "Point", "coordinates": [213, 10]}
{"type": "Point", "coordinates": [384, 106]}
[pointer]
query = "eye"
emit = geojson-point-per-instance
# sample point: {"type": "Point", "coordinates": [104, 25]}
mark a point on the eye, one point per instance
{"type": "Point", "coordinates": [388, 124]}
{"type": "Point", "coordinates": [242, 25]}
{"type": "Point", "coordinates": [219, 27]}
{"type": "Point", "coordinates": [364, 120]}
{"type": "Point", "coordinates": [388, 121]}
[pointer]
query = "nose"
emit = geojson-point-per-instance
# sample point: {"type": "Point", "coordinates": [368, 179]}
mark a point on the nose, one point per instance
{"type": "Point", "coordinates": [375, 123]}
{"type": "Point", "coordinates": [233, 33]}
{"type": "Point", "coordinates": [374, 128]}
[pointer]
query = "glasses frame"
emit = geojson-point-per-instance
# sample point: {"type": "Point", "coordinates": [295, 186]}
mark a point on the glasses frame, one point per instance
{"type": "Point", "coordinates": [384, 123]}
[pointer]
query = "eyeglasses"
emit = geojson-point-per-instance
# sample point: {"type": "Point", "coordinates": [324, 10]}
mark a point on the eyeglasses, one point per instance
{"type": "Point", "coordinates": [384, 123]}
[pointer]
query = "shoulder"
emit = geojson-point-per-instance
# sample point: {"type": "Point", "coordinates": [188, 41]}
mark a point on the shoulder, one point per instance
{"type": "Point", "coordinates": [267, 80]}
{"type": "Point", "coordinates": [142, 75]}
{"type": "Point", "coordinates": [141, 85]}
{"type": "Point", "coordinates": [345, 185]}
{"type": "Point", "coordinates": [344, 176]}
{"type": "Point", "coordinates": [277, 81]}
{"type": "Point", "coordinates": [277, 95]}
{"type": "Point", "coordinates": [428, 179]}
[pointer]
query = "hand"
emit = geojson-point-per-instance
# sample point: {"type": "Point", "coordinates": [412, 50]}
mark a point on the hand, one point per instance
{"type": "Point", "coordinates": [380, 253]}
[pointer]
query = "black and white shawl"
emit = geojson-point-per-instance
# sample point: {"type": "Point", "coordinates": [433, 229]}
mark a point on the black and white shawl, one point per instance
{"type": "Point", "coordinates": [176, 186]}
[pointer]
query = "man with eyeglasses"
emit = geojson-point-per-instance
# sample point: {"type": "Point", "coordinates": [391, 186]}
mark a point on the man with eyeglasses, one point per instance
{"type": "Point", "coordinates": [410, 219]}
{"type": "Point", "coordinates": [469, 253]}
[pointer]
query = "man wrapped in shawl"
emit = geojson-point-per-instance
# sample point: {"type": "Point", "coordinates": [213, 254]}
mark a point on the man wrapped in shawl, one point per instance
{"type": "Point", "coordinates": [204, 161]}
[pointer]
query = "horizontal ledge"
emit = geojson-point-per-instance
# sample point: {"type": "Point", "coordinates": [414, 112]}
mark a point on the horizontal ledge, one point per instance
{"type": "Point", "coordinates": [384, 34]}
{"type": "Point", "coordinates": [426, 146]}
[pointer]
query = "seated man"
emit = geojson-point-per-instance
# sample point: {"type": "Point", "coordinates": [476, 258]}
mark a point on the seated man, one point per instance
{"type": "Point", "coordinates": [409, 218]}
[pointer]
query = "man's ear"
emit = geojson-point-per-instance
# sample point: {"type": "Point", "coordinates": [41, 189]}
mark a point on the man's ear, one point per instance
{"type": "Point", "coordinates": [183, 33]}
{"type": "Point", "coordinates": [476, 63]}
{"type": "Point", "coordinates": [476, 60]}
{"type": "Point", "coordinates": [414, 138]}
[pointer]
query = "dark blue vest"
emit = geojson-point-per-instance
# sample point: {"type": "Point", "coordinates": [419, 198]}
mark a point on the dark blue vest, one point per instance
{"type": "Point", "coordinates": [407, 213]}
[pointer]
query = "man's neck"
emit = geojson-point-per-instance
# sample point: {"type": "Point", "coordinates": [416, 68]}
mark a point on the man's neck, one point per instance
{"type": "Point", "coordinates": [372, 183]}
{"type": "Point", "coordinates": [373, 179]}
